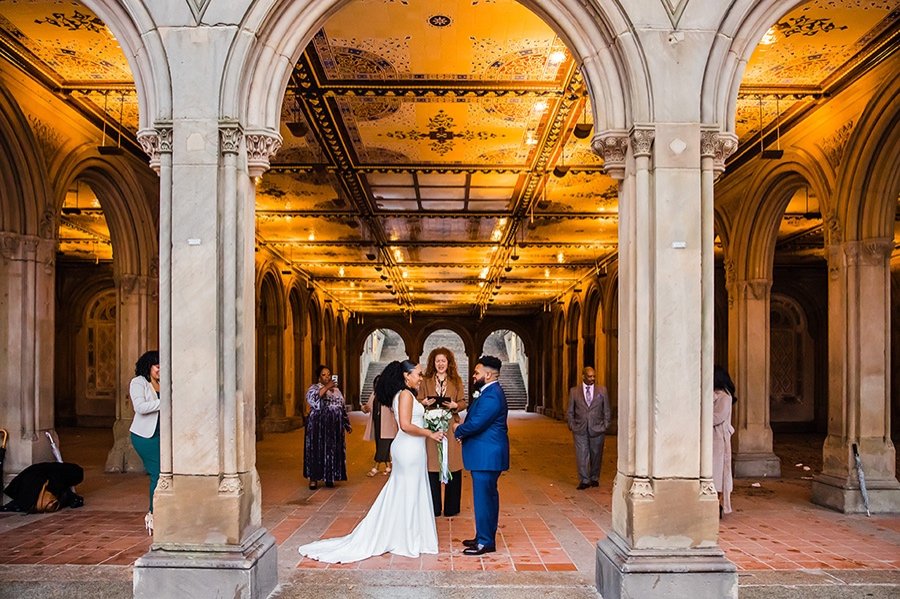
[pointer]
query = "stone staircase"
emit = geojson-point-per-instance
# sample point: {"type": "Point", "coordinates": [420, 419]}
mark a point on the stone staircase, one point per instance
{"type": "Point", "coordinates": [510, 374]}
{"type": "Point", "coordinates": [513, 386]}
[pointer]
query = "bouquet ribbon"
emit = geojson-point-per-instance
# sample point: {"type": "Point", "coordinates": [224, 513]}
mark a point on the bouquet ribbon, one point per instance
{"type": "Point", "coordinates": [442, 457]}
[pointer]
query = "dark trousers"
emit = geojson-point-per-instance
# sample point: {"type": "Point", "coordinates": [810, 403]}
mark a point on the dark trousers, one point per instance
{"type": "Point", "coordinates": [588, 456]}
{"type": "Point", "coordinates": [452, 493]}
{"type": "Point", "coordinates": [487, 506]}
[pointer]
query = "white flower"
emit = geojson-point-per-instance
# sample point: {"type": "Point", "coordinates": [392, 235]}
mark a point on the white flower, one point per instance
{"type": "Point", "coordinates": [476, 395]}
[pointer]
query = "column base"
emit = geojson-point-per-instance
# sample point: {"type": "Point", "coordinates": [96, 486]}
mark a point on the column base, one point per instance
{"type": "Point", "coordinates": [281, 425]}
{"type": "Point", "coordinates": [122, 457]}
{"type": "Point", "coordinates": [757, 465]}
{"type": "Point", "coordinates": [250, 572]}
{"type": "Point", "coordinates": [843, 495]}
{"type": "Point", "coordinates": [624, 573]}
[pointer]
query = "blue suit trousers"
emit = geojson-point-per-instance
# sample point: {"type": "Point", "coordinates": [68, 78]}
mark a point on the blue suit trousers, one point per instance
{"type": "Point", "coordinates": [487, 505]}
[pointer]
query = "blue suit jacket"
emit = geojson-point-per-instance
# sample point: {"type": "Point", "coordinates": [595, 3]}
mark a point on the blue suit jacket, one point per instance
{"type": "Point", "coordinates": [485, 441]}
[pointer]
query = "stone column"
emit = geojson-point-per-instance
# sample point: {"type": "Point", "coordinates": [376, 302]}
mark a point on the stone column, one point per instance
{"type": "Point", "coordinates": [136, 304]}
{"type": "Point", "coordinates": [27, 268]}
{"type": "Point", "coordinates": [208, 538]}
{"type": "Point", "coordinates": [858, 380]}
{"type": "Point", "coordinates": [663, 541]}
{"type": "Point", "coordinates": [748, 324]}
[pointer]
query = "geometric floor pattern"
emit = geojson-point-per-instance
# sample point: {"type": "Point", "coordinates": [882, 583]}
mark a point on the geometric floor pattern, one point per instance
{"type": "Point", "coordinates": [546, 525]}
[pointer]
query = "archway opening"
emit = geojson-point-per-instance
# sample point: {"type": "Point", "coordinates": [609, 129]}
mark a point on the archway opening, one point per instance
{"type": "Point", "coordinates": [509, 348]}
{"type": "Point", "coordinates": [86, 362]}
{"type": "Point", "coordinates": [380, 348]}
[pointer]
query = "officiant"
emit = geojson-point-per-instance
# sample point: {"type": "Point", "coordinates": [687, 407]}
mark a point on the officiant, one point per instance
{"type": "Point", "coordinates": [442, 387]}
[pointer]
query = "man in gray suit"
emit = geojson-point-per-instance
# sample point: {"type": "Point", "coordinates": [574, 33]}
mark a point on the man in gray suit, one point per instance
{"type": "Point", "coordinates": [588, 418]}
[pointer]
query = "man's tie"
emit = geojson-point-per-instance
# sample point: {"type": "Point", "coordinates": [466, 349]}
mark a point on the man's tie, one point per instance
{"type": "Point", "coordinates": [589, 395]}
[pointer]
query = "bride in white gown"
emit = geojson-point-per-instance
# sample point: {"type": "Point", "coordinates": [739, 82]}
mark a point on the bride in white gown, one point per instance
{"type": "Point", "coordinates": [401, 521]}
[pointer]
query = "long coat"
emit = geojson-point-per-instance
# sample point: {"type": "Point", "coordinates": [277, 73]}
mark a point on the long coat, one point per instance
{"type": "Point", "coordinates": [454, 452]}
{"type": "Point", "coordinates": [388, 424]}
{"type": "Point", "coordinates": [722, 431]}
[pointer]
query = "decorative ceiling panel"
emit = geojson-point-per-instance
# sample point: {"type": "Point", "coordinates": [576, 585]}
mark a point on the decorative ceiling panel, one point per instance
{"type": "Point", "coordinates": [67, 39]}
{"type": "Point", "coordinates": [420, 140]}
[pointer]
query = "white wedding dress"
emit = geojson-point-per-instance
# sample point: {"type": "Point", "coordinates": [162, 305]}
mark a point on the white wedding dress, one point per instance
{"type": "Point", "coordinates": [401, 521]}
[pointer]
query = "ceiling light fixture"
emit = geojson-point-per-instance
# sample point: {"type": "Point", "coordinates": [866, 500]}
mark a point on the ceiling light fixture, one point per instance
{"type": "Point", "coordinates": [540, 106]}
{"type": "Point", "coordinates": [556, 57]}
{"type": "Point", "coordinates": [560, 170]}
{"type": "Point", "coordinates": [777, 153]}
{"type": "Point", "coordinates": [583, 129]}
{"type": "Point", "coordinates": [341, 271]}
{"type": "Point", "coordinates": [115, 150]}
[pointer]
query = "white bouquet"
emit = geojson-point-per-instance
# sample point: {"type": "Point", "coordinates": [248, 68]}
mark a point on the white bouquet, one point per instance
{"type": "Point", "coordinates": [439, 420]}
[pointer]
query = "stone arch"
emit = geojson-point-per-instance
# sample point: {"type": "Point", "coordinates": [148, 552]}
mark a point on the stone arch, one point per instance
{"type": "Point", "coordinates": [313, 313]}
{"type": "Point", "coordinates": [269, 349]}
{"type": "Point", "coordinates": [132, 228]}
{"type": "Point", "coordinates": [752, 244]}
{"type": "Point", "coordinates": [737, 37]}
{"type": "Point", "coordinates": [792, 361]}
{"type": "Point", "coordinates": [274, 33]}
{"type": "Point", "coordinates": [869, 180]}
{"type": "Point", "coordinates": [298, 332]}
{"type": "Point", "coordinates": [435, 325]}
{"type": "Point", "coordinates": [139, 38]}
{"type": "Point", "coordinates": [362, 333]}
{"type": "Point", "coordinates": [573, 342]}
{"type": "Point", "coordinates": [24, 189]}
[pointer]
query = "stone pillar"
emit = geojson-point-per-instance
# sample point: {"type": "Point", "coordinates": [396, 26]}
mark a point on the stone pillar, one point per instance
{"type": "Point", "coordinates": [858, 380]}
{"type": "Point", "coordinates": [136, 302]}
{"type": "Point", "coordinates": [748, 324]}
{"type": "Point", "coordinates": [665, 372]}
{"type": "Point", "coordinates": [27, 268]}
{"type": "Point", "coordinates": [208, 538]}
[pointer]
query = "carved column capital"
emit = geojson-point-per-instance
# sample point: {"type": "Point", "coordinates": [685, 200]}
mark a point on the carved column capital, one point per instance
{"type": "Point", "coordinates": [612, 146]}
{"type": "Point", "coordinates": [156, 141]}
{"type": "Point", "coordinates": [230, 135]}
{"type": "Point", "coordinates": [641, 489]}
{"type": "Point", "coordinates": [718, 146]}
{"type": "Point", "coordinates": [868, 252]}
{"type": "Point", "coordinates": [130, 285]}
{"type": "Point", "coordinates": [261, 146]}
{"type": "Point", "coordinates": [642, 137]}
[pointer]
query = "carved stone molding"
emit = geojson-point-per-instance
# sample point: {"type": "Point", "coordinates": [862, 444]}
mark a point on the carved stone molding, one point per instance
{"type": "Point", "coordinates": [10, 246]}
{"type": "Point", "coordinates": [612, 146]}
{"type": "Point", "coordinates": [754, 289]}
{"type": "Point", "coordinates": [642, 140]}
{"type": "Point", "coordinates": [28, 248]}
{"type": "Point", "coordinates": [130, 285]}
{"type": "Point", "coordinates": [718, 146]}
{"type": "Point", "coordinates": [164, 485]}
{"type": "Point", "coordinates": [48, 225]}
{"type": "Point", "coordinates": [261, 146]}
{"type": "Point", "coordinates": [868, 252]}
{"type": "Point", "coordinates": [230, 135]}
{"type": "Point", "coordinates": [707, 488]}
{"type": "Point", "coordinates": [833, 231]}
{"type": "Point", "coordinates": [833, 147]}
{"type": "Point", "coordinates": [231, 485]}
{"type": "Point", "coordinates": [641, 488]}
{"type": "Point", "coordinates": [155, 142]}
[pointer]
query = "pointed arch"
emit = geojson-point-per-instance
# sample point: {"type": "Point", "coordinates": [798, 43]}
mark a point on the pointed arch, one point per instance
{"type": "Point", "coordinates": [25, 194]}
{"type": "Point", "coordinates": [869, 179]}
{"type": "Point", "coordinates": [274, 33]}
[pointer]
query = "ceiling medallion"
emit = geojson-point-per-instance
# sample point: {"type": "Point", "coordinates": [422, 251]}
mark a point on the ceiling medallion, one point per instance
{"type": "Point", "coordinates": [439, 20]}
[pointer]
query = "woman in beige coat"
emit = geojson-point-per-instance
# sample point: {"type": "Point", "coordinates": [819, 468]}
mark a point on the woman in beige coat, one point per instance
{"type": "Point", "coordinates": [723, 398]}
{"type": "Point", "coordinates": [442, 387]}
{"type": "Point", "coordinates": [381, 428]}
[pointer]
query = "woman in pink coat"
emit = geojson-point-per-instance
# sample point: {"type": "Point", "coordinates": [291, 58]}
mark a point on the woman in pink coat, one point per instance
{"type": "Point", "coordinates": [723, 398]}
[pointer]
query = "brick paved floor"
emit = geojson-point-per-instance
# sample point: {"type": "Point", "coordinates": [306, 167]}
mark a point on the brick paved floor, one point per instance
{"type": "Point", "coordinates": [545, 524]}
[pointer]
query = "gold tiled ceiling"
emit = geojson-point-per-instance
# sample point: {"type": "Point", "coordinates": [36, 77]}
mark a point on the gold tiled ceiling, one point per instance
{"type": "Point", "coordinates": [420, 140]}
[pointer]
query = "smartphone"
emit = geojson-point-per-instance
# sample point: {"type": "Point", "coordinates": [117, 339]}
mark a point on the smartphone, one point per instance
{"type": "Point", "coordinates": [334, 379]}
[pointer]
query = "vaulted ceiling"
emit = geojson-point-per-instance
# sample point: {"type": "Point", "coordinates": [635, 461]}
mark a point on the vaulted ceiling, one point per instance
{"type": "Point", "coordinates": [437, 156]}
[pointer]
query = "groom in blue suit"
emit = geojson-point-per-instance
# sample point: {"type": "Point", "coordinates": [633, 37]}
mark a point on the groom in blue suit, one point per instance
{"type": "Point", "coordinates": [485, 450]}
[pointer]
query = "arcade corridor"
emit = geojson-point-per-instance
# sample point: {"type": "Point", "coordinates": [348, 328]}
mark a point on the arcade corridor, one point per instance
{"type": "Point", "coordinates": [776, 537]}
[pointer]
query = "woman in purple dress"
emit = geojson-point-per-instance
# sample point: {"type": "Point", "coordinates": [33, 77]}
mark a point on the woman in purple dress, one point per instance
{"type": "Point", "coordinates": [325, 449]}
